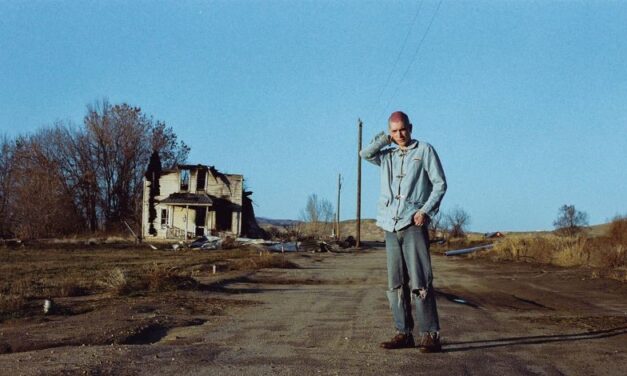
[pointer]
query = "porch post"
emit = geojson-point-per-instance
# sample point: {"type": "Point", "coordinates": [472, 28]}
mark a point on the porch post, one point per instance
{"type": "Point", "coordinates": [186, 219]}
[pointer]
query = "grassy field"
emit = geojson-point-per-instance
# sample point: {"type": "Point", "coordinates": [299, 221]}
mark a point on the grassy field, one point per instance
{"type": "Point", "coordinates": [29, 275]}
{"type": "Point", "coordinates": [603, 249]}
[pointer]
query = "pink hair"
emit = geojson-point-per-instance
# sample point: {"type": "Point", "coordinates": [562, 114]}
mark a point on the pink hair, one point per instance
{"type": "Point", "coordinates": [399, 116]}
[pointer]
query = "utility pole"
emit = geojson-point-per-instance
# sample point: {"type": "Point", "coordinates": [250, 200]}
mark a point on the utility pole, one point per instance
{"type": "Point", "coordinates": [358, 222]}
{"type": "Point", "coordinates": [337, 217]}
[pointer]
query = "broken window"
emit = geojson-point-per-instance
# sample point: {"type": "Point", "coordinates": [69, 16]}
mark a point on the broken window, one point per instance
{"type": "Point", "coordinates": [224, 220]}
{"type": "Point", "coordinates": [200, 180]}
{"type": "Point", "coordinates": [184, 180]}
{"type": "Point", "coordinates": [164, 218]}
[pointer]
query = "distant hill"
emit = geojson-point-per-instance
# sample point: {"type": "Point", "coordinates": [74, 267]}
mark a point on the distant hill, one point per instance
{"type": "Point", "coordinates": [276, 222]}
{"type": "Point", "coordinates": [592, 230]}
{"type": "Point", "coordinates": [369, 231]}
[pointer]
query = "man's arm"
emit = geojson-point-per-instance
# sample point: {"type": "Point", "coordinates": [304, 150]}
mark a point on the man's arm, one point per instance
{"type": "Point", "coordinates": [371, 153]}
{"type": "Point", "coordinates": [438, 181]}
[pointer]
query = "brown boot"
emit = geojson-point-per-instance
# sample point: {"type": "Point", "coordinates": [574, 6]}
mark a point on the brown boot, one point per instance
{"type": "Point", "coordinates": [430, 343]}
{"type": "Point", "coordinates": [399, 341]}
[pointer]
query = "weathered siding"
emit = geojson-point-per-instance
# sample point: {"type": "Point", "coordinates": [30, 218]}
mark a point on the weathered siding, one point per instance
{"type": "Point", "coordinates": [168, 184]}
{"type": "Point", "coordinates": [179, 216]}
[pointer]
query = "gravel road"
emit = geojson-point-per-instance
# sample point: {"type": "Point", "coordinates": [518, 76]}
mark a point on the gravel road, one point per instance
{"type": "Point", "coordinates": [328, 317]}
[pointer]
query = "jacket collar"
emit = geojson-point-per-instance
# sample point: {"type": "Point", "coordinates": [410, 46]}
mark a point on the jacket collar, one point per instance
{"type": "Point", "coordinates": [412, 145]}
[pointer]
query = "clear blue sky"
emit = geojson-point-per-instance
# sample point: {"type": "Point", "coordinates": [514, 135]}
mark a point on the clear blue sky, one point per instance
{"type": "Point", "coordinates": [525, 101]}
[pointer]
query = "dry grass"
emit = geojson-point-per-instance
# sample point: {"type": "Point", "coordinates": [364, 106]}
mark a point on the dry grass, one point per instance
{"type": "Point", "coordinates": [606, 253]}
{"type": "Point", "coordinates": [12, 306]}
{"type": "Point", "coordinates": [166, 278]}
{"type": "Point", "coordinates": [49, 271]}
{"type": "Point", "coordinates": [546, 249]}
{"type": "Point", "coordinates": [263, 260]}
{"type": "Point", "coordinates": [618, 230]}
{"type": "Point", "coordinates": [116, 282]}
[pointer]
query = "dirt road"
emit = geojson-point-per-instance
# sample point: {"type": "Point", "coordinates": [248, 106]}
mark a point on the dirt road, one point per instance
{"type": "Point", "coordinates": [329, 316]}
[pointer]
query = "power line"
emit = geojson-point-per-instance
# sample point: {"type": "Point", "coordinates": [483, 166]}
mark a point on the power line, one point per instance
{"type": "Point", "coordinates": [413, 59]}
{"type": "Point", "coordinates": [398, 57]}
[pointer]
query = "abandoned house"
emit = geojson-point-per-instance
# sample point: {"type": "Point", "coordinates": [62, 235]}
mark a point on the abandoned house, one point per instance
{"type": "Point", "coordinates": [196, 200]}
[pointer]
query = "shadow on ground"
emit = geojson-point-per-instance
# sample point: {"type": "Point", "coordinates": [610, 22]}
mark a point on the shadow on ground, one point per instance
{"type": "Point", "coordinates": [533, 340]}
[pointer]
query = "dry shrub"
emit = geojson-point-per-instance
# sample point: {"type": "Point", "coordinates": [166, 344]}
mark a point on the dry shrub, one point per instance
{"type": "Point", "coordinates": [545, 249]}
{"type": "Point", "coordinates": [12, 306]}
{"type": "Point", "coordinates": [15, 297]}
{"type": "Point", "coordinates": [618, 231]}
{"type": "Point", "coordinates": [29, 288]}
{"type": "Point", "coordinates": [614, 257]}
{"type": "Point", "coordinates": [264, 260]}
{"type": "Point", "coordinates": [70, 286]}
{"type": "Point", "coordinates": [228, 243]}
{"type": "Point", "coordinates": [619, 274]}
{"type": "Point", "coordinates": [116, 282]}
{"type": "Point", "coordinates": [25, 288]}
{"type": "Point", "coordinates": [610, 250]}
{"type": "Point", "coordinates": [166, 278]}
{"type": "Point", "coordinates": [572, 252]}
{"type": "Point", "coordinates": [604, 252]}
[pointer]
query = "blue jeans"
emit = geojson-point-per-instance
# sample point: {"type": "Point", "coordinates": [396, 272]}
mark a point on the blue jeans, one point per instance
{"type": "Point", "coordinates": [409, 274]}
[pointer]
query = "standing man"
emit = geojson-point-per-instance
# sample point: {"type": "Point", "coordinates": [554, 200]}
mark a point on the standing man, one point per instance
{"type": "Point", "coordinates": [412, 187]}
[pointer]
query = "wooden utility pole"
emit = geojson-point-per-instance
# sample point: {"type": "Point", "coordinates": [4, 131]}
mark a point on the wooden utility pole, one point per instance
{"type": "Point", "coordinates": [337, 217]}
{"type": "Point", "coordinates": [358, 222]}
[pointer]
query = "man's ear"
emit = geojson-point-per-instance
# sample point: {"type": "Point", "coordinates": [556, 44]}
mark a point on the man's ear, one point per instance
{"type": "Point", "coordinates": [410, 126]}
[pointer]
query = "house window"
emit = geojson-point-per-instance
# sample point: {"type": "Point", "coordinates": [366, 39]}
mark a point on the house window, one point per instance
{"type": "Point", "coordinates": [201, 176]}
{"type": "Point", "coordinates": [164, 218]}
{"type": "Point", "coordinates": [184, 180]}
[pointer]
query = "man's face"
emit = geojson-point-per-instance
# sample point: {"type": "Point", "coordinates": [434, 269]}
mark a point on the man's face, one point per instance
{"type": "Point", "coordinates": [400, 133]}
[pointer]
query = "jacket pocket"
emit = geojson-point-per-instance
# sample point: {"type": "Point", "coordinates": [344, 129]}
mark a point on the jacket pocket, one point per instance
{"type": "Point", "coordinates": [415, 204]}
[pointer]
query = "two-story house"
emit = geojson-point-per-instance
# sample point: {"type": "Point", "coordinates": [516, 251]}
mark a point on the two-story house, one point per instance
{"type": "Point", "coordinates": [194, 200]}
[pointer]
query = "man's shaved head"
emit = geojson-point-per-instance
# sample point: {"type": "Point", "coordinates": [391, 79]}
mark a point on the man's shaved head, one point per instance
{"type": "Point", "coordinates": [400, 129]}
{"type": "Point", "coordinates": [399, 116]}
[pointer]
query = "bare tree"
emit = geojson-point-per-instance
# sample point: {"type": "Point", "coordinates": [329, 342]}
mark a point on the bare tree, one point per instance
{"type": "Point", "coordinates": [570, 221]}
{"type": "Point", "coordinates": [457, 220]}
{"type": "Point", "coordinates": [66, 179]}
{"type": "Point", "coordinates": [7, 163]}
{"type": "Point", "coordinates": [122, 138]}
{"type": "Point", "coordinates": [436, 224]}
{"type": "Point", "coordinates": [318, 214]}
{"type": "Point", "coordinates": [42, 205]}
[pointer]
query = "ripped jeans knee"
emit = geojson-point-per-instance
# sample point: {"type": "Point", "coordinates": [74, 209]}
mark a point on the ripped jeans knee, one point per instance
{"type": "Point", "coordinates": [420, 293]}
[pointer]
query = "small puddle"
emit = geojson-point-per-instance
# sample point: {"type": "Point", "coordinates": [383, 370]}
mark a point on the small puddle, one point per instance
{"type": "Point", "coordinates": [148, 335]}
{"type": "Point", "coordinates": [456, 299]}
{"type": "Point", "coordinates": [155, 332]}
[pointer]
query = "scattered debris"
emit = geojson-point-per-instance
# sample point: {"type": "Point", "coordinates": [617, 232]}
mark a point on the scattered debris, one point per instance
{"type": "Point", "coordinates": [490, 235]}
{"type": "Point", "coordinates": [12, 243]}
{"type": "Point", "coordinates": [48, 306]}
{"type": "Point", "coordinates": [349, 242]}
{"type": "Point", "coordinates": [468, 250]}
{"type": "Point", "coordinates": [206, 242]}
{"type": "Point", "coordinates": [310, 245]}
{"type": "Point", "coordinates": [284, 247]}
{"type": "Point", "coordinates": [438, 240]}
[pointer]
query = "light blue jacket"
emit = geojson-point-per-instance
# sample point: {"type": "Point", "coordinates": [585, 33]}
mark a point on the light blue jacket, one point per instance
{"type": "Point", "coordinates": [412, 180]}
